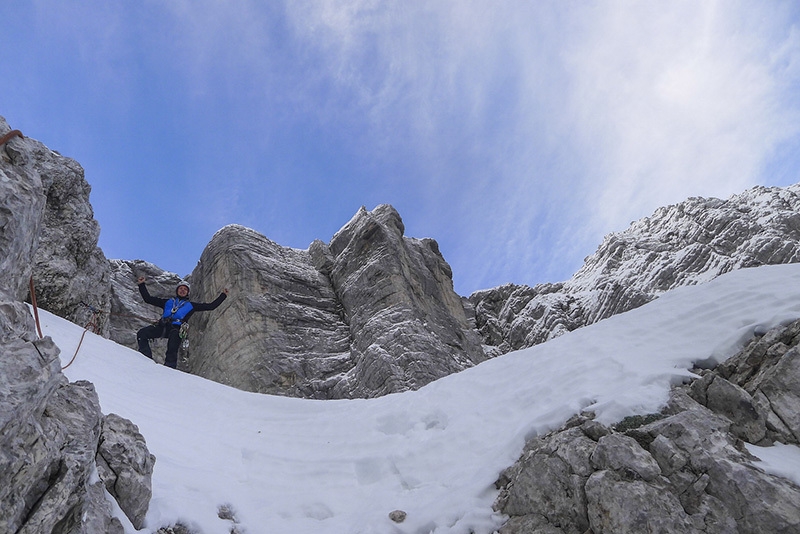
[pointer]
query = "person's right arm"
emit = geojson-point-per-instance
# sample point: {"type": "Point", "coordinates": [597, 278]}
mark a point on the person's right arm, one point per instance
{"type": "Point", "coordinates": [155, 301]}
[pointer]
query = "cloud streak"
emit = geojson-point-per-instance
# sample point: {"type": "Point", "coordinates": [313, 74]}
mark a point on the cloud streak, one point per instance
{"type": "Point", "coordinates": [608, 109]}
{"type": "Point", "coordinates": [515, 133]}
{"type": "Point", "coordinates": [687, 100]}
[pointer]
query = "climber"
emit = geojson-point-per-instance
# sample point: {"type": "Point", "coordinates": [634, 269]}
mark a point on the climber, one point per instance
{"type": "Point", "coordinates": [177, 311]}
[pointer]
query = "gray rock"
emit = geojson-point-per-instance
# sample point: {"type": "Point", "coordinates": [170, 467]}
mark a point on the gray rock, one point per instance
{"type": "Point", "coordinates": [548, 482]}
{"type": "Point", "coordinates": [281, 330]}
{"type": "Point", "coordinates": [748, 417]}
{"type": "Point", "coordinates": [633, 506]}
{"type": "Point", "coordinates": [623, 454]}
{"type": "Point", "coordinates": [58, 237]}
{"type": "Point", "coordinates": [768, 370]}
{"type": "Point", "coordinates": [48, 435]}
{"type": "Point", "coordinates": [126, 467]}
{"type": "Point", "coordinates": [408, 326]}
{"type": "Point", "coordinates": [371, 313]}
{"type": "Point", "coordinates": [683, 470]}
{"type": "Point", "coordinates": [49, 428]}
{"type": "Point", "coordinates": [22, 202]}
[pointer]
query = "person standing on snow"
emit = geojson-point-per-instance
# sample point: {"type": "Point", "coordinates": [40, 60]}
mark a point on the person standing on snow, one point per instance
{"type": "Point", "coordinates": [177, 311]}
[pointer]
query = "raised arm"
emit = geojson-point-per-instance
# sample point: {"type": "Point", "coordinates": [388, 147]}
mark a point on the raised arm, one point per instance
{"type": "Point", "coordinates": [207, 306]}
{"type": "Point", "coordinates": [155, 301]}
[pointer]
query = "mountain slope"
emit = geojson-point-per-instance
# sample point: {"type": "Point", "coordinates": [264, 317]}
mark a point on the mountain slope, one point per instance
{"type": "Point", "coordinates": [679, 245]}
{"type": "Point", "coordinates": [295, 465]}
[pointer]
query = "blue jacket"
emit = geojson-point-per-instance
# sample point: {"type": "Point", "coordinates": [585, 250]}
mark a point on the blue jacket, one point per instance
{"type": "Point", "coordinates": [185, 307]}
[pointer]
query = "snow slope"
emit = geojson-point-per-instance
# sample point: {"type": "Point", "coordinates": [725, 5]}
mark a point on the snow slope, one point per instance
{"type": "Point", "coordinates": [304, 466]}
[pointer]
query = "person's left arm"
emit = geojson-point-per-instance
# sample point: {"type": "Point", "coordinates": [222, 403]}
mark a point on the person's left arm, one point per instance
{"type": "Point", "coordinates": [207, 306]}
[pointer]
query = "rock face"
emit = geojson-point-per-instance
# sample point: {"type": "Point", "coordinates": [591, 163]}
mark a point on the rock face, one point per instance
{"type": "Point", "coordinates": [683, 244]}
{"type": "Point", "coordinates": [70, 272]}
{"type": "Point", "coordinates": [370, 313]}
{"type": "Point", "coordinates": [50, 430]}
{"type": "Point", "coordinates": [22, 201]}
{"type": "Point", "coordinates": [126, 466]}
{"type": "Point", "coordinates": [682, 470]}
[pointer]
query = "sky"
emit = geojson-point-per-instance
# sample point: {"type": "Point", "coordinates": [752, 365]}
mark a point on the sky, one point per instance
{"type": "Point", "coordinates": [517, 134]}
{"type": "Point", "coordinates": [307, 466]}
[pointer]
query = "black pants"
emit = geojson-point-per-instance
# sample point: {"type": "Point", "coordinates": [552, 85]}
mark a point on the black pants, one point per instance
{"type": "Point", "coordinates": [173, 334]}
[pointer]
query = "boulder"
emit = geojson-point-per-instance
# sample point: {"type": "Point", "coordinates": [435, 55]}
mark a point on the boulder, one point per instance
{"type": "Point", "coordinates": [682, 470]}
{"type": "Point", "coordinates": [126, 467]}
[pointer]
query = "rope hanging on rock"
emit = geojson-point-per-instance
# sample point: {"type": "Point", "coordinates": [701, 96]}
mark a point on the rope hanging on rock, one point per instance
{"type": "Point", "coordinates": [94, 327]}
{"type": "Point", "coordinates": [35, 308]}
{"type": "Point", "coordinates": [7, 137]}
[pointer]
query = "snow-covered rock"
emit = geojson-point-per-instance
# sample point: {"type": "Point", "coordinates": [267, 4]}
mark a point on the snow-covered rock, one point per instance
{"type": "Point", "coordinates": [683, 244]}
{"type": "Point", "coordinates": [681, 470]}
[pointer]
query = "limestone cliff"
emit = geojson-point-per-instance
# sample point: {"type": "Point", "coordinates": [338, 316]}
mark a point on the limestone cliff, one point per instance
{"type": "Point", "coordinates": [372, 312]}
{"type": "Point", "coordinates": [51, 431]}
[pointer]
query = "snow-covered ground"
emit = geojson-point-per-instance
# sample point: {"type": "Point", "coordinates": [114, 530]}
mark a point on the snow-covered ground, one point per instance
{"type": "Point", "coordinates": [296, 466]}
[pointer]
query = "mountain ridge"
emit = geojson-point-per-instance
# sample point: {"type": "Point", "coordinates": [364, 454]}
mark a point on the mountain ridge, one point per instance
{"type": "Point", "coordinates": [64, 457]}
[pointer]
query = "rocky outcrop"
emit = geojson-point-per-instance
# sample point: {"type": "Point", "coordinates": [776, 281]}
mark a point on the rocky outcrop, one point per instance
{"type": "Point", "coordinates": [372, 312]}
{"type": "Point", "coordinates": [685, 469]}
{"type": "Point", "coordinates": [22, 202]}
{"type": "Point", "coordinates": [126, 466]}
{"type": "Point", "coordinates": [280, 330]}
{"type": "Point", "coordinates": [50, 437]}
{"type": "Point", "coordinates": [408, 325]}
{"type": "Point", "coordinates": [71, 274]}
{"type": "Point", "coordinates": [49, 429]}
{"type": "Point", "coordinates": [683, 244]}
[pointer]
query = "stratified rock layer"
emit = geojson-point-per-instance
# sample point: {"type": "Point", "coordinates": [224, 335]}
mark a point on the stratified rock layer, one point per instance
{"type": "Point", "coordinates": [371, 313]}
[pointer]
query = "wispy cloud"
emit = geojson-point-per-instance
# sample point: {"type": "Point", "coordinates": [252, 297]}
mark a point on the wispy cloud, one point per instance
{"type": "Point", "coordinates": [516, 133]}
{"type": "Point", "coordinates": [651, 102]}
{"type": "Point", "coordinates": [675, 99]}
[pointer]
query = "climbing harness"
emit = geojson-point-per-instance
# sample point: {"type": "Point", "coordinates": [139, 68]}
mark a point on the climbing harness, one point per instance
{"type": "Point", "coordinates": [176, 312]}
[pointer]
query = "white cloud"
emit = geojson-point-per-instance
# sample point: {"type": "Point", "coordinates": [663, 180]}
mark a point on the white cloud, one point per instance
{"type": "Point", "coordinates": [521, 131]}
{"type": "Point", "coordinates": [678, 99]}
{"type": "Point", "coordinates": [610, 109]}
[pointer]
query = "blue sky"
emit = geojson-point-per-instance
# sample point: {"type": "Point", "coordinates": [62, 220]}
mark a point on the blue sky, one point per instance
{"type": "Point", "coordinates": [517, 134]}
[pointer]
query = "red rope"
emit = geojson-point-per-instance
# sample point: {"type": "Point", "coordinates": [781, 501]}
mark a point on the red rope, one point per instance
{"type": "Point", "coordinates": [7, 137]}
{"type": "Point", "coordinates": [93, 324]}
